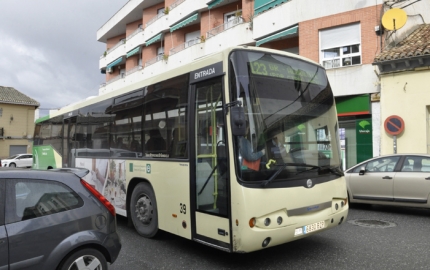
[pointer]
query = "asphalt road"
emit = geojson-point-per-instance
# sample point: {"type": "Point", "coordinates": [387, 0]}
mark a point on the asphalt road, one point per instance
{"type": "Point", "coordinates": [387, 238]}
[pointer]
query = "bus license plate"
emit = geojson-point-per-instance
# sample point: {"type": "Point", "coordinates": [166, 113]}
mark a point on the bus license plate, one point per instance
{"type": "Point", "coordinates": [309, 228]}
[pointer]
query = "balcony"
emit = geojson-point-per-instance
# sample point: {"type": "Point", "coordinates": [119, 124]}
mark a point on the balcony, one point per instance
{"type": "Point", "coordinates": [113, 53]}
{"type": "Point", "coordinates": [156, 17]}
{"type": "Point", "coordinates": [133, 70]}
{"type": "Point", "coordinates": [286, 14]}
{"type": "Point", "coordinates": [223, 27]}
{"type": "Point", "coordinates": [184, 45]}
{"type": "Point", "coordinates": [158, 24]}
{"type": "Point", "coordinates": [175, 4]}
{"type": "Point", "coordinates": [137, 38]}
{"type": "Point", "coordinates": [183, 8]}
{"type": "Point", "coordinates": [154, 60]}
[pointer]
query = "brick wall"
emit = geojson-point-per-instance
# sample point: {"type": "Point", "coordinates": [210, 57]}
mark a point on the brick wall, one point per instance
{"type": "Point", "coordinates": [368, 19]}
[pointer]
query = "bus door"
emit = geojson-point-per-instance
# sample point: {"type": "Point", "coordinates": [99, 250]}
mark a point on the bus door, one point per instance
{"type": "Point", "coordinates": [69, 146]}
{"type": "Point", "coordinates": [209, 170]}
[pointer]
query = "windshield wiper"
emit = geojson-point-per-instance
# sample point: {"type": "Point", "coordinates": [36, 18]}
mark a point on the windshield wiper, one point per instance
{"type": "Point", "coordinates": [283, 166]}
{"type": "Point", "coordinates": [332, 170]}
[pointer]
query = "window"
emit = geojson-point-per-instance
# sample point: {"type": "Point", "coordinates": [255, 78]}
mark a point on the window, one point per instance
{"type": "Point", "coordinates": [164, 118]}
{"type": "Point", "coordinates": [385, 164]}
{"type": "Point", "coordinates": [191, 38]}
{"type": "Point", "coordinates": [340, 46]}
{"type": "Point", "coordinates": [232, 18]}
{"type": "Point", "coordinates": [36, 198]}
{"type": "Point", "coordinates": [416, 164]}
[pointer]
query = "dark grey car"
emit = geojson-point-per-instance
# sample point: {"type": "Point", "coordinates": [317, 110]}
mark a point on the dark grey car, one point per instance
{"type": "Point", "coordinates": [54, 220]}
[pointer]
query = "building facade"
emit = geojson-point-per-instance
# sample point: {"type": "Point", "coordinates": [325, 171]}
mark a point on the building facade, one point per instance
{"type": "Point", "coordinates": [405, 72]}
{"type": "Point", "coordinates": [144, 38]}
{"type": "Point", "coordinates": [17, 114]}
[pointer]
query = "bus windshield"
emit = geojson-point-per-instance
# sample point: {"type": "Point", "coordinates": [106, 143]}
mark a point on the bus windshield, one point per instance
{"type": "Point", "coordinates": [290, 115]}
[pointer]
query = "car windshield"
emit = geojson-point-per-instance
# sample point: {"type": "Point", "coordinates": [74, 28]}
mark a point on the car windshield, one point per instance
{"type": "Point", "coordinates": [290, 116]}
{"type": "Point", "coordinates": [13, 157]}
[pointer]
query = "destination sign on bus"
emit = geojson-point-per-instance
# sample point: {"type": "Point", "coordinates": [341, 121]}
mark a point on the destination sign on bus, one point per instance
{"type": "Point", "coordinates": [284, 71]}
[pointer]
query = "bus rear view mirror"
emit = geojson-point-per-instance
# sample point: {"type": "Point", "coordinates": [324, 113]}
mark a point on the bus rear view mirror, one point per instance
{"type": "Point", "coordinates": [238, 123]}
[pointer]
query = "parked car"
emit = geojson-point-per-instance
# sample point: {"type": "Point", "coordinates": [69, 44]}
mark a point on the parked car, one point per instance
{"type": "Point", "coordinates": [20, 160]}
{"type": "Point", "coordinates": [54, 220]}
{"type": "Point", "coordinates": [398, 179]}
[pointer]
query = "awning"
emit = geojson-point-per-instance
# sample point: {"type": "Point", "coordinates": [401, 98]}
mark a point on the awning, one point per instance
{"type": "Point", "coordinates": [114, 63]}
{"type": "Point", "coordinates": [213, 3]}
{"type": "Point", "coordinates": [184, 22]}
{"type": "Point", "coordinates": [263, 5]}
{"type": "Point", "coordinates": [154, 39]}
{"type": "Point", "coordinates": [289, 31]}
{"type": "Point", "coordinates": [133, 52]}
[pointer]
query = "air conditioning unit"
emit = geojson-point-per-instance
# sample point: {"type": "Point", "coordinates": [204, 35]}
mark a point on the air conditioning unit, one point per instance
{"type": "Point", "coordinates": [109, 70]}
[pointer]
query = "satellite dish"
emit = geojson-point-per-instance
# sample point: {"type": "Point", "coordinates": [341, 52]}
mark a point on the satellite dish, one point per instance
{"type": "Point", "coordinates": [394, 19]}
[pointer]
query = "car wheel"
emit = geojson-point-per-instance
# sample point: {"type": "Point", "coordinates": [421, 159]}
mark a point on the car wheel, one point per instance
{"type": "Point", "coordinates": [143, 208]}
{"type": "Point", "coordinates": [12, 165]}
{"type": "Point", "coordinates": [87, 258]}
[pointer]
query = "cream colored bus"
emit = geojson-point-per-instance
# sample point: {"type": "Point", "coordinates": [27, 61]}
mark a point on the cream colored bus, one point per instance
{"type": "Point", "coordinates": [238, 150]}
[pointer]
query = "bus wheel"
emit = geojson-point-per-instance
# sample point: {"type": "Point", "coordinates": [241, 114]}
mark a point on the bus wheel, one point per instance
{"type": "Point", "coordinates": [143, 208]}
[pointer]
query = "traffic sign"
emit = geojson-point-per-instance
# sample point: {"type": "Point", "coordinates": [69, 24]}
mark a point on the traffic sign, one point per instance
{"type": "Point", "coordinates": [394, 125]}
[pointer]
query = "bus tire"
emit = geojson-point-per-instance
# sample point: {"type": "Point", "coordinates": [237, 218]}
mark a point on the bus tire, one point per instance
{"type": "Point", "coordinates": [143, 210]}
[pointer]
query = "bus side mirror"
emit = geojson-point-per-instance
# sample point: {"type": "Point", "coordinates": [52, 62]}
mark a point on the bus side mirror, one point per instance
{"type": "Point", "coordinates": [238, 123]}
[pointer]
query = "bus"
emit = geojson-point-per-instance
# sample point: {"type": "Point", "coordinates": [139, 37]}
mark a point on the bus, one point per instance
{"type": "Point", "coordinates": [166, 151]}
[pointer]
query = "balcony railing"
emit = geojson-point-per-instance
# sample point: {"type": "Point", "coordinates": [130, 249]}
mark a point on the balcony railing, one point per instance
{"type": "Point", "coordinates": [175, 4]}
{"type": "Point", "coordinates": [122, 42]}
{"type": "Point", "coordinates": [133, 70]}
{"type": "Point", "coordinates": [158, 16]}
{"type": "Point", "coordinates": [154, 60]}
{"type": "Point", "coordinates": [221, 28]}
{"type": "Point", "coordinates": [184, 45]}
{"type": "Point", "coordinates": [114, 79]}
{"type": "Point", "coordinates": [137, 31]}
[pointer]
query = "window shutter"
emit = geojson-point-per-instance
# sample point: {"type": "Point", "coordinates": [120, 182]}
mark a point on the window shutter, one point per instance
{"type": "Point", "coordinates": [340, 36]}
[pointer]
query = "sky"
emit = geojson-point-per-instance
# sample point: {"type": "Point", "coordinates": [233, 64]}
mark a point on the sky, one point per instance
{"type": "Point", "coordinates": [49, 49]}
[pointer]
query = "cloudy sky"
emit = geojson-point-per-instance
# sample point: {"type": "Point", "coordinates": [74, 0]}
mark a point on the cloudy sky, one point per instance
{"type": "Point", "coordinates": [49, 50]}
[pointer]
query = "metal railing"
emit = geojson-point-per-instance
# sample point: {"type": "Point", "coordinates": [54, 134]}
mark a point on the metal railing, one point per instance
{"type": "Point", "coordinates": [122, 42]}
{"type": "Point", "coordinates": [154, 60]}
{"type": "Point", "coordinates": [133, 70]}
{"type": "Point", "coordinates": [175, 4]}
{"type": "Point", "coordinates": [114, 79]}
{"type": "Point", "coordinates": [184, 45]}
{"type": "Point", "coordinates": [158, 16]}
{"type": "Point", "coordinates": [221, 28]}
{"type": "Point", "coordinates": [137, 31]}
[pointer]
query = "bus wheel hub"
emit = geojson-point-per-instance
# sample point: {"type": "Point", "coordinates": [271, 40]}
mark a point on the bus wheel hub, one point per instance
{"type": "Point", "coordinates": [144, 210]}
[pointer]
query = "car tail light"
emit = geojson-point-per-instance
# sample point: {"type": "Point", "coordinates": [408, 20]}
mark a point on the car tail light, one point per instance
{"type": "Point", "coordinates": [99, 197]}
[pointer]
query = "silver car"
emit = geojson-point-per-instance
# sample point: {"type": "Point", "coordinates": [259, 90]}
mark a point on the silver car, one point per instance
{"type": "Point", "coordinates": [398, 179]}
{"type": "Point", "coordinates": [54, 220]}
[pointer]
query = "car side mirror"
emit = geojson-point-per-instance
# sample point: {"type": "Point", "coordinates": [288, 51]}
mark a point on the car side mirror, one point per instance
{"type": "Point", "coordinates": [362, 171]}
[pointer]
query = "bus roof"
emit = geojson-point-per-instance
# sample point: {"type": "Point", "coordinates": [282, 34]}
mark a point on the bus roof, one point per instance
{"type": "Point", "coordinates": [196, 64]}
